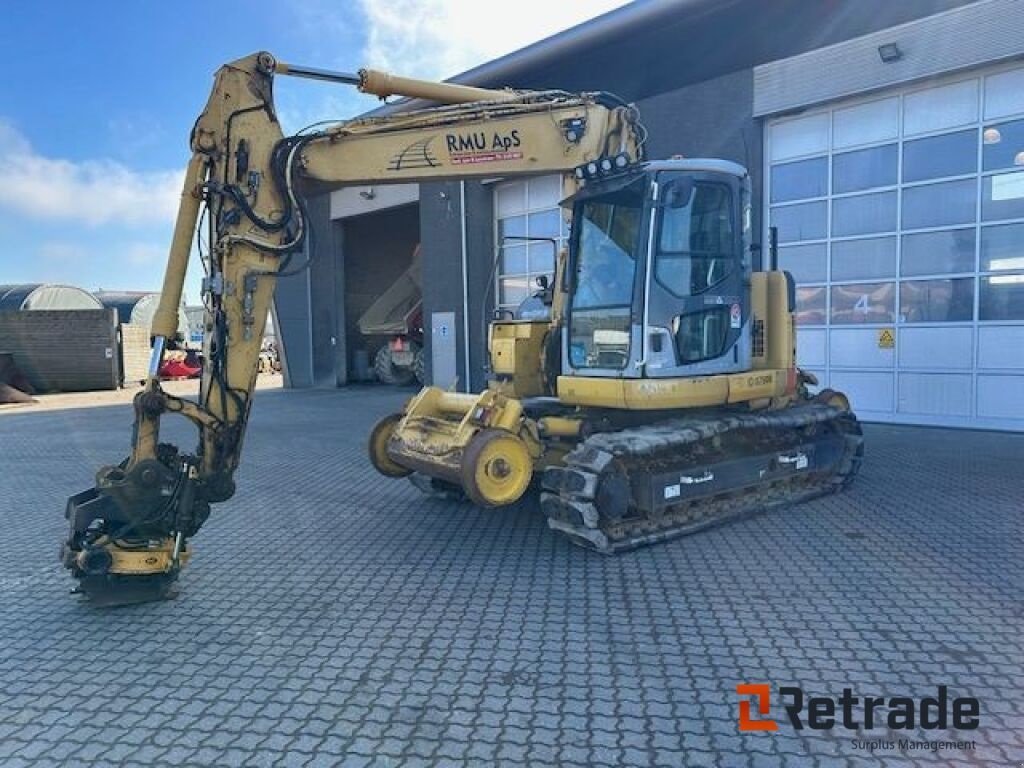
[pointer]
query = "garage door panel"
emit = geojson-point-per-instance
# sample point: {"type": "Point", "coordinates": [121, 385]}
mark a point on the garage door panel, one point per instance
{"type": "Point", "coordinates": [866, 123]}
{"type": "Point", "coordinates": [907, 256]}
{"type": "Point", "coordinates": [1001, 347]}
{"type": "Point", "coordinates": [935, 394]}
{"type": "Point", "coordinates": [810, 348]}
{"type": "Point", "coordinates": [942, 108]}
{"type": "Point", "coordinates": [796, 138]}
{"type": "Point", "coordinates": [935, 348]}
{"type": "Point", "coordinates": [867, 390]}
{"type": "Point", "coordinates": [1004, 94]}
{"type": "Point", "coordinates": [1001, 397]}
{"type": "Point", "coordinates": [858, 348]}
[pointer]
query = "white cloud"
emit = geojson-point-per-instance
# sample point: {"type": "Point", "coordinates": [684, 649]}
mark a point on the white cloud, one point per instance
{"type": "Point", "coordinates": [91, 192]}
{"type": "Point", "coordinates": [441, 38]}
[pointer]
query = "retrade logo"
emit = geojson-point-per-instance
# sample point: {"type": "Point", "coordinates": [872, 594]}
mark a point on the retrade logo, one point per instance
{"type": "Point", "coordinates": [850, 712]}
{"type": "Point", "coordinates": [762, 694]}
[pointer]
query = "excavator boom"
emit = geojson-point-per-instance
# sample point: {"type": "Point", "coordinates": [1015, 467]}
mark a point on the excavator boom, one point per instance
{"type": "Point", "coordinates": [128, 535]}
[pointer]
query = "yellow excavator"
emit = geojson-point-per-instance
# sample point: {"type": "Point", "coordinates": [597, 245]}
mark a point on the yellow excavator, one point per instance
{"type": "Point", "coordinates": [650, 390]}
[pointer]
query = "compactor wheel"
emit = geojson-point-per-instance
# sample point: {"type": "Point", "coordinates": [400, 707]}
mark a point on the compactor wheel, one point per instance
{"type": "Point", "coordinates": [496, 468]}
{"type": "Point", "coordinates": [378, 447]}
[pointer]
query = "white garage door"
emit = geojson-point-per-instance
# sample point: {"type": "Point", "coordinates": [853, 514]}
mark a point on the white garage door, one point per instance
{"type": "Point", "coordinates": [526, 209]}
{"type": "Point", "coordinates": [902, 219]}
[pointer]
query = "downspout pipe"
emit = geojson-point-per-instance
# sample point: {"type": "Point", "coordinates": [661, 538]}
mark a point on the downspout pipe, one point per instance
{"type": "Point", "coordinates": [465, 286]}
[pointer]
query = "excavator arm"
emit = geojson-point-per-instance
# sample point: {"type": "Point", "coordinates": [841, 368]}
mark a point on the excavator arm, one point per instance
{"type": "Point", "coordinates": [246, 184]}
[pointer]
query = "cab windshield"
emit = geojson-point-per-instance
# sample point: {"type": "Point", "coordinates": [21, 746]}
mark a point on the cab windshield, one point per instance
{"type": "Point", "coordinates": [607, 238]}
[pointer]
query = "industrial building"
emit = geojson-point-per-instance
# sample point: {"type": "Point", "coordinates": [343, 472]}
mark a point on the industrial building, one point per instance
{"type": "Point", "coordinates": [885, 140]}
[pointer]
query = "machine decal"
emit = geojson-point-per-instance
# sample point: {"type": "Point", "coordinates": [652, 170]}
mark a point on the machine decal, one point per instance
{"type": "Point", "coordinates": [416, 155]}
{"type": "Point", "coordinates": [720, 300]}
{"type": "Point", "coordinates": [482, 147]}
{"type": "Point", "coordinates": [735, 316]}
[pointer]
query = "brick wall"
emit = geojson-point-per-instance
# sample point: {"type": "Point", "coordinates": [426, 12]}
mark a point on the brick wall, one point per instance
{"type": "Point", "coordinates": [135, 353]}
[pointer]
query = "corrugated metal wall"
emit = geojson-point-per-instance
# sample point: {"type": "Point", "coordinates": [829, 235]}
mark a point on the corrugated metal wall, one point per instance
{"type": "Point", "coordinates": [63, 350]}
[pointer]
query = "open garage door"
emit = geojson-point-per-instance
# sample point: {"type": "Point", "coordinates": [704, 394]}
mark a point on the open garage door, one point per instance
{"type": "Point", "coordinates": [378, 253]}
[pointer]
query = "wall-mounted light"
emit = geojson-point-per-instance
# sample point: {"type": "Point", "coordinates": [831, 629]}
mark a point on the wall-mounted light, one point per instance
{"type": "Point", "coordinates": [889, 52]}
{"type": "Point", "coordinates": [991, 136]}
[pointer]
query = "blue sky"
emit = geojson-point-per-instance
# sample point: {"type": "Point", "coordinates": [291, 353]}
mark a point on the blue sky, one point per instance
{"type": "Point", "coordinates": [98, 97]}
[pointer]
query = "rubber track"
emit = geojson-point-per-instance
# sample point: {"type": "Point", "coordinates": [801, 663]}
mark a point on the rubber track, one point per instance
{"type": "Point", "coordinates": [639, 449]}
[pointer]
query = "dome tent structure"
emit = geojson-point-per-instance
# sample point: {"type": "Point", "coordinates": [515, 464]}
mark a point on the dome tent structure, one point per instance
{"type": "Point", "coordinates": [36, 296]}
{"type": "Point", "coordinates": [138, 307]}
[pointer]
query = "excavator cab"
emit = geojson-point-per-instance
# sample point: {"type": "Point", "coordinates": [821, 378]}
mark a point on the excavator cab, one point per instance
{"type": "Point", "coordinates": [658, 282]}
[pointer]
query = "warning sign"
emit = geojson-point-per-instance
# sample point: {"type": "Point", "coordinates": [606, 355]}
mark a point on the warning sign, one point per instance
{"type": "Point", "coordinates": [735, 316]}
{"type": "Point", "coordinates": [886, 338]}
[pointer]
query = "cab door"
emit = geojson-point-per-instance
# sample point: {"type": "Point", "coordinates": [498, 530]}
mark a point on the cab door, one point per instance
{"type": "Point", "coordinates": [697, 291]}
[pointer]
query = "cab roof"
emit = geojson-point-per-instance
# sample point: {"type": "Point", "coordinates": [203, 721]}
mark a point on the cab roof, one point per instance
{"type": "Point", "coordinates": [696, 164]}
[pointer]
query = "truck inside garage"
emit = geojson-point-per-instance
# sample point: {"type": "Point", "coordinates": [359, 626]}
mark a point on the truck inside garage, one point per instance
{"type": "Point", "coordinates": [378, 253]}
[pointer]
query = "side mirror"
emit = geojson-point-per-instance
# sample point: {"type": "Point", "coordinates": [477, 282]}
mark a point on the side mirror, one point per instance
{"type": "Point", "coordinates": [542, 282]}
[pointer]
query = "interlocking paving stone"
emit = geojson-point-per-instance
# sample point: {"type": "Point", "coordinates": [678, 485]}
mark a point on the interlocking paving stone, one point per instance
{"type": "Point", "coordinates": [334, 617]}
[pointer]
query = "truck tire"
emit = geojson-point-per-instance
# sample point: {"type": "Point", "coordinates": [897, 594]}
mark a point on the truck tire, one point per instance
{"type": "Point", "coordinates": [419, 367]}
{"type": "Point", "coordinates": [389, 373]}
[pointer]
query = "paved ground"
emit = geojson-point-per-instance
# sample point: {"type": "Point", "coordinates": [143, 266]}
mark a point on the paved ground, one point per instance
{"type": "Point", "coordinates": [332, 617]}
{"type": "Point", "coordinates": [61, 401]}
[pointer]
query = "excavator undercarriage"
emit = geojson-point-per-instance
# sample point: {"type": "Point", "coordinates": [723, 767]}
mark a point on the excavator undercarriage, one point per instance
{"type": "Point", "coordinates": [612, 481]}
{"type": "Point", "coordinates": [642, 485]}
